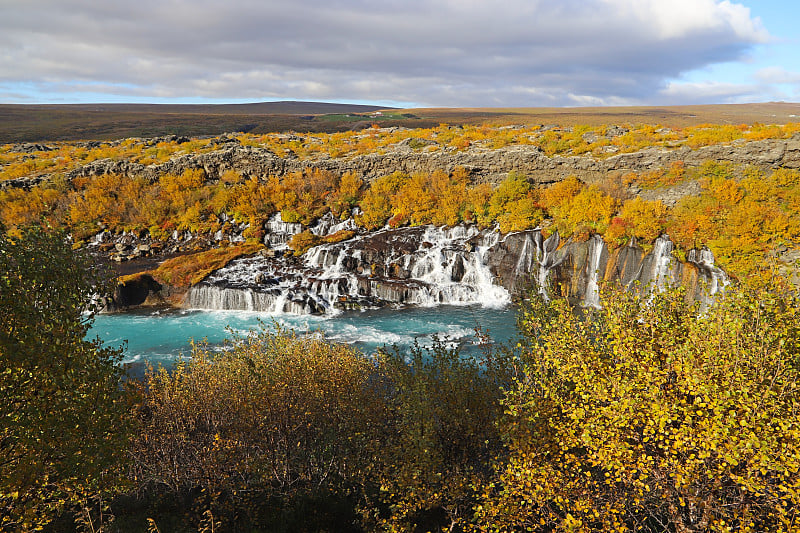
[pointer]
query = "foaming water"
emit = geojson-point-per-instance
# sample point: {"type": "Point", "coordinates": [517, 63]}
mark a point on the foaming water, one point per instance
{"type": "Point", "coordinates": [164, 337]}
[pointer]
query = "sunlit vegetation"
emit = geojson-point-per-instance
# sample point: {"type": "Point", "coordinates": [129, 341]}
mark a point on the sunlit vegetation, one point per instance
{"type": "Point", "coordinates": [309, 435]}
{"type": "Point", "coordinates": [740, 218]}
{"type": "Point", "coordinates": [301, 242]}
{"type": "Point", "coordinates": [741, 213]}
{"type": "Point", "coordinates": [649, 414]}
{"type": "Point", "coordinates": [190, 269]}
{"type": "Point", "coordinates": [63, 414]}
{"type": "Point", "coordinates": [597, 142]}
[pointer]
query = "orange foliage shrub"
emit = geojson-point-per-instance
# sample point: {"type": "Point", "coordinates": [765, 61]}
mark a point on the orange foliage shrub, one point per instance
{"type": "Point", "coordinates": [342, 200]}
{"type": "Point", "coordinates": [639, 218]}
{"type": "Point", "coordinates": [191, 269]}
{"type": "Point", "coordinates": [740, 220]}
{"type": "Point", "coordinates": [514, 204]}
{"type": "Point", "coordinates": [19, 207]}
{"type": "Point", "coordinates": [413, 202]}
{"type": "Point", "coordinates": [576, 208]}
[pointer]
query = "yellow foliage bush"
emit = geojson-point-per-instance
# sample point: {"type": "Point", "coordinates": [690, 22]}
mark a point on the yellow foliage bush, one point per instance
{"type": "Point", "coordinates": [649, 415]}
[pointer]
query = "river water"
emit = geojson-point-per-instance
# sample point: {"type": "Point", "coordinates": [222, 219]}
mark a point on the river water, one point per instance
{"type": "Point", "coordinates": [164, 336]}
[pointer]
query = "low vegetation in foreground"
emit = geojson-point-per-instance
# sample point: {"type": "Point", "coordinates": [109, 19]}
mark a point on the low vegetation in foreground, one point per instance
{"type": "Point", "coordinates": [649, 414]}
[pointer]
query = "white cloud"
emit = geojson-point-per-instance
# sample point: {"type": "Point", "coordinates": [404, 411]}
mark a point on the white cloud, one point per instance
{"type": "Point", "coordinates": [777, 75]}
{"type": "Point", "coordinates": [709, 92]}
{"type": "Point", "coordinates": [431, 52]}
{"type": "Point", "coordinates": [675, 19]}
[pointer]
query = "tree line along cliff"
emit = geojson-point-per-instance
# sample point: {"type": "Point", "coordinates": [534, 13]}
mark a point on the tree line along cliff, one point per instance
{"type": "Point", "coordinates": [732, 188]}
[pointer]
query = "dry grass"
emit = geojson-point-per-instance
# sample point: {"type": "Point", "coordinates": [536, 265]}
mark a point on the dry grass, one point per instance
{"type": "Point", "coordinates": [670, 116]}
{"type": "Point", "coordinates": [187, 270]}
{"type": "Point", "coordinates": [37, 123]}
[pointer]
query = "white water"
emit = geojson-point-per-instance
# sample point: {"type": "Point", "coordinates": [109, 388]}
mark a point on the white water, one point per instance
{"type": "Point", "coordinates": [279, 232]}
{"type": "Point", "coordinates": [717, 280]}
{"type": "Point", "coordinates": [549, 259]}
{"type": "Point", "coordinates": [426, 267]}
{"type": "Point", "coordinates": [165, 336]}
{"type": "Point", "coordinates": [591, 296]}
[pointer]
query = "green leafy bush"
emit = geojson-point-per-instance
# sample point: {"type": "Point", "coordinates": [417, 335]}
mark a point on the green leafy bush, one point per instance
{"type": "Point", "coordinates": [62, 410]}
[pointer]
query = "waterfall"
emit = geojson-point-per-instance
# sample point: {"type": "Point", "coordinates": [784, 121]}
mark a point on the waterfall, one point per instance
{"type": "Point", "coordinates": [430, 266]}
{"type": "Point", "coordinates": [279, 232]}
{"type": "Point", "coordinates": [453, 273]}
{"type": "Point", "coordinates": [592, 293]}
{"type": "Point", "coordinates": [328, 225]}
{"type": "Point", "coordinates": [529, 254]}
{"type": "Point", "coordinates": [714, 278]}
{"type": "Point", "coordinates": [549, 259]}
{"type": "Point", "coordinates": [422, 266]}
{"type": "Point", "coordinates": [655, 271]}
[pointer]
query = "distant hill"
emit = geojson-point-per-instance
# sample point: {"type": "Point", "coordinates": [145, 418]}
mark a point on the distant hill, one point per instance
{"type": "Point", "coordinates": [69, 122]}
{"type": "Point", "coordinates": [287, 107]}
{"type": "Point", "coordinates": [670, 116]}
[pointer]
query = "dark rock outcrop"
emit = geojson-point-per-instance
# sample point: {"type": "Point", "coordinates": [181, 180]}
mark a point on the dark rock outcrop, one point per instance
{"type": "Point", "coordinates": [483, 164]}
{"type": "Point", "coordinates": [139, 291]}
{"type": "Point", "coordinates": [430, 266]}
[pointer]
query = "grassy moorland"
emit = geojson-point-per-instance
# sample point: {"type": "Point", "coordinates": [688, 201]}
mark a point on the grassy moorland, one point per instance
{"type": "Point", "coordinates": [42, 123]}
{"type": "Point", "coordinates": [669, 116]}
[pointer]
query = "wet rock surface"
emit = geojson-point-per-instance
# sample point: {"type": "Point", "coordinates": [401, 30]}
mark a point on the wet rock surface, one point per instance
{"type": "Point", "coordinates": [430, 266]}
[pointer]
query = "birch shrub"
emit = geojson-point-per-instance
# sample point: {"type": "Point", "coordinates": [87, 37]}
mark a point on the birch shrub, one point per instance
{"type": "Point", "coordinates": [650, 415]}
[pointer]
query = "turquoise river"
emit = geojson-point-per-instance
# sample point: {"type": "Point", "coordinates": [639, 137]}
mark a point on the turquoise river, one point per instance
{"type": "Point", "coordinates": [165, 336]}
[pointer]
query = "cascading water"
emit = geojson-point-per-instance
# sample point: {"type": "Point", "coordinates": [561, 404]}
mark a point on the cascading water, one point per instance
{"type": "Point", "coordinates": [429, 266]}
{"type": "Point", "coordinates": [420, 266]}
{"type": "Point", "coordinates": [655, 272]}
{"type": "Point", "coordinates": [713, 278]}
{"type": "Point", "coordinates": [328, 224]}
{"type": "Point", "coordinates": [279, 232]}
{"type": "Point", "coordinates": [549, 259]}
{"type": "Point", "coordinates": [592, 294]}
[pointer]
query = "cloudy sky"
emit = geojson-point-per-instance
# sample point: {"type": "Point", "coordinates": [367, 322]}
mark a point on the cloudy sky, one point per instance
{"type": "Point", "coordinates": [407, 53]}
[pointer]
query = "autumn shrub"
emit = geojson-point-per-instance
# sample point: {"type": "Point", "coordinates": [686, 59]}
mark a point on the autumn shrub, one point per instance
{"type": "Point", "coordinates": [741, 214]}
{"type": "Point", "coordinates": [413, 202]}
{"type": "Point", "coordinates": [376, 205]}
{"type": "Point", "coordinates": [649, 415]}
{"type": "Point", "coordinates": [514, 204]}
{"type": "Point", "coordinates": [275, 423]}
{"type": "Point", "coordinates": [63, 421]}
{"type": "Point", "coordinates": [20, 208]}
{"type": "Point", "coordinates": [643, 219]}
{"type": "Point", "coordinates": [476, 207]}
{"type": "Point", "coordinates": [342, 200]}
{"type": "Point", "coordinates": [190, 269]}
{"type": "Point", "coordinates": [301, 242]}
{"type": "Point", "coordinates": [339, 236]}
{"type": "Point", "coordinates": [442, 436]}
{"type": "Point", "coordinates": [577, 208]}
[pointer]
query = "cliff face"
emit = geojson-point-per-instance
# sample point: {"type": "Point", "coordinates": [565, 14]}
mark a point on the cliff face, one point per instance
{"type": "Point", "coordinates": [575, 270]}
{"type": "Point", "coordinates": [484, 164]}
{"type": "Point", "coordinates": [428, 266]}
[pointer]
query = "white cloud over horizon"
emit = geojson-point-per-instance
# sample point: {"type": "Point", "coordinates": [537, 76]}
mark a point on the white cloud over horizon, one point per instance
{"type": "Point", "coordinates": [416, 52]}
